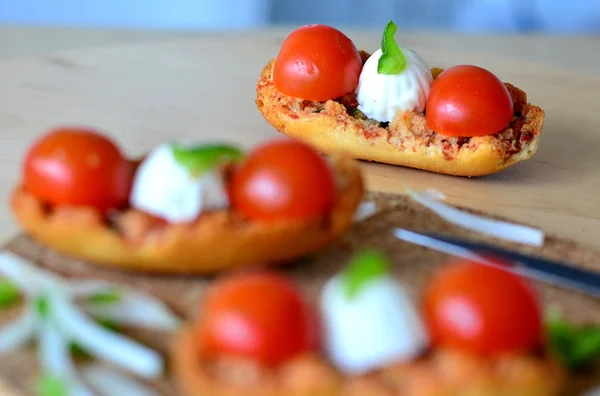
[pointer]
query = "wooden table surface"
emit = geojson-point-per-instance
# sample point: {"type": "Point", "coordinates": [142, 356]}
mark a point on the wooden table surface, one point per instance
{"type": "Point", "coordinates": [148, 87]}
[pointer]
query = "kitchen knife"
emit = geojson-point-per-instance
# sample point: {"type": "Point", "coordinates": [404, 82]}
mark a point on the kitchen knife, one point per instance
{"type": "Point", "coordinates": [558, 273]}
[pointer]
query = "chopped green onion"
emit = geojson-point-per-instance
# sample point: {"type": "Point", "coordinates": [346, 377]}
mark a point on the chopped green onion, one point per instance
{"type": "Point", "coordinates": [108, 325]}
{"type": "Point", "coordinates": [42, 306]}
{"type": "Point", "coordinates": [78, 350]}
{"type": "Point", "coordinates": [575, 346]}
{"type": "Point", "coordinates": [9, 293]}
{"type": "Point", "coordinates": [392, 60]}
{"type": "Point", "coordinates": [110, 296]}
{"type": "Point", "coordinates": [363, 268]}
{"type": "Point", "coordinates": [201, 159]}
{"type": "Point", "coordinates": [50, 385]}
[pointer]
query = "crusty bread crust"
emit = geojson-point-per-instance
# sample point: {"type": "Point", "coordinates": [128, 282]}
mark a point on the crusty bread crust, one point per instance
{"type": "Point", "coordinates": [217, 241]}
{"type": "Point", "coordinates": [444, 372]}
{"type": "Point", "coordinates": [333, 127]}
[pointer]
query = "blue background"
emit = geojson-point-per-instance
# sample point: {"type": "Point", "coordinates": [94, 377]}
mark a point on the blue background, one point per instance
{"type": "Point", "coordinates": [554, 16]}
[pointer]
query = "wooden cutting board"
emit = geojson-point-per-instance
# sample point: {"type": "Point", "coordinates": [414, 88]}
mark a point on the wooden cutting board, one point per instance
{"type": "Point", "coordinates": [413, 265]}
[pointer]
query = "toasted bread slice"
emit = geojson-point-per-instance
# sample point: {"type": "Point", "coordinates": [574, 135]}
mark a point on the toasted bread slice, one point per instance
{"type": "Point", "coordinates": [335, 126]}
{"type": "Point", "coordinates": [442, 373]}
{"type": "Point", "coordinates": [216, 241]}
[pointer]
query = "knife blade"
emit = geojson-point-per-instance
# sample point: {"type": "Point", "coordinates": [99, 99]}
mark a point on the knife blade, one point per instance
{"type": "Point", "coordinates": [558, 273]}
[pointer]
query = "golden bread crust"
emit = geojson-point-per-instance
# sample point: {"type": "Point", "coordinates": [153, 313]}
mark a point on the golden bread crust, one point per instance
{"type": "Point", "coordinates": [444, 372]}
{"type": "Point", "coordinates": [406, 141]}
{"type": "Point", "coordinates": [217, 241]}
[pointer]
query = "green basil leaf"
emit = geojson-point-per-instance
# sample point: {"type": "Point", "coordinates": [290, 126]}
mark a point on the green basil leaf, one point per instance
{"type": "Point", "coordinates": [9, 294]}
{"type": "Point", "coordinates": [201, 159]}
{"type": "Point", "coordinates": [362, 269]}
{"type": "Point", "coordinates": [392, 60]}
{"type": "Point", "coordinates": [575, 346]}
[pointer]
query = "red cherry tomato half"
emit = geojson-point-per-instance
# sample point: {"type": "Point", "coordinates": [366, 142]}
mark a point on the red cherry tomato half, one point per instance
{"type": "Point", "coordinates": [482, 309]}
{"type": "Point", "coordinates": [282, 179]}
{"type": "Point", "coordinates": [259, 316]}
{"type": "Point", "coordinates": [468, 101]}
{"type": "Point", "coordinates": [73, 166]}
{"type": "Point", "coordinates": [317, 62]}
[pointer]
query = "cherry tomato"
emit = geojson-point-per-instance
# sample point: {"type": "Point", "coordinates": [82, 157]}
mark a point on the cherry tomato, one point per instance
{"type": "Point", "coordinates": [468, 101]}
{"type": "Point", "coordinates": [482, 309]}
{"type": "Point", "coordinates": [74, 166]}
{"type": "Point", "coordinates": [317, 62]}
{"type": "Point", "coordinates": [282, 179]}
{"type": "Point", "coordinates": [260, 316]}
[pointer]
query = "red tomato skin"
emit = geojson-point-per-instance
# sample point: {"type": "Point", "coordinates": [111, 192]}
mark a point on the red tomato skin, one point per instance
{"type": "Point", "coordinates": [482, 310]}
{"type": "Point", "coordinates": [79, 167]}
{"type": "Point", "coordinates": [258, 316]}
{"type": "Point", "coordinates": [468, 101]}
{"type": "Point", "coordinates": [283, 179]}
{"type": "Point", "coordinates": [317, 62]}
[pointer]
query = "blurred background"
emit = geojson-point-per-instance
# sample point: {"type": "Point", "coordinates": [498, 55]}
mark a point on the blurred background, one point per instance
{"type": "Point", "coordinates": [468, 16]}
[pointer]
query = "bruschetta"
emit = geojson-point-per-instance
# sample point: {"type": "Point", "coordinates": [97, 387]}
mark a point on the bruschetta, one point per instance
{"type": "Point", "coordinates": [199, 208]}
{"type": "Point", "coordinates": [391, 107]}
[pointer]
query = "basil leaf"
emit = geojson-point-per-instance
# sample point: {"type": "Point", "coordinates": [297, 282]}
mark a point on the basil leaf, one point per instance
{"type": "Point", "coordinates": [575, 346]}
{"type": "Point", "coordinates": [362, 269]}
{"type": "Point", "coordinates": [9, 293]}
{"type": "Point", "coordinates": [392, 60]}
{"type": "Point", "coordinates": [201, 159]}
{"type": "Point", "coordinates": [50, 385]}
